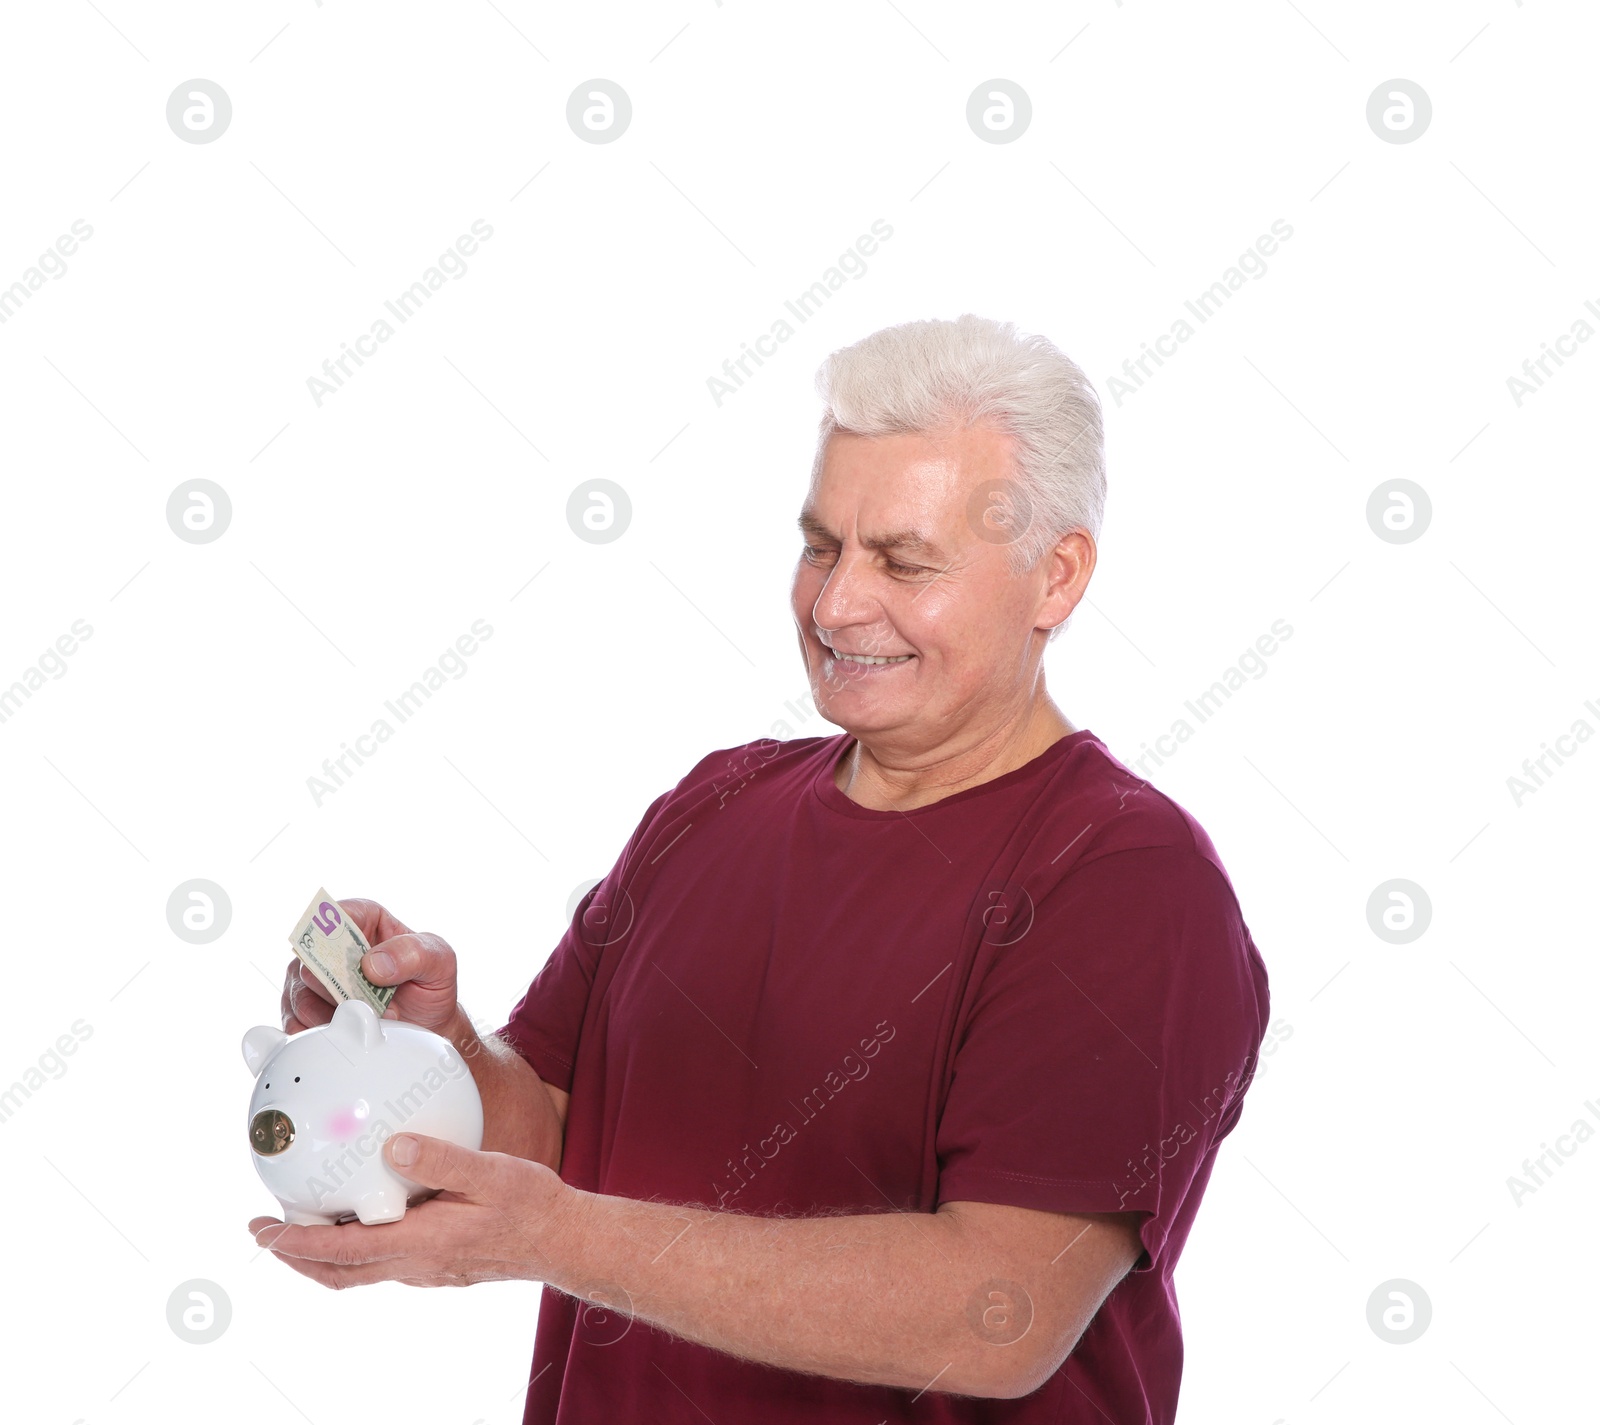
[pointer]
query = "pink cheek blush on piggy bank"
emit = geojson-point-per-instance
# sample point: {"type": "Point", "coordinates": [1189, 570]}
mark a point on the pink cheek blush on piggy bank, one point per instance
{"type": "Point", "coordinates": [326, 1099]}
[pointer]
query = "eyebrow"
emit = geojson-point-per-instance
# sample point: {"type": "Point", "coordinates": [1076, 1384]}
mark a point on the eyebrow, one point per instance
{"type": "Point", "coordinates": [909, 540]}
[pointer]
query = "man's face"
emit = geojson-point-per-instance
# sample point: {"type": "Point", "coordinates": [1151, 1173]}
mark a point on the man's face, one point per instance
{"type": "Point", "coordinates": [942, 598]}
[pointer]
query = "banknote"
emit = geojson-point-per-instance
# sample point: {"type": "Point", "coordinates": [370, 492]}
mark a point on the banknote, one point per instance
{"type": "Point", "coordinates": [331, 946]}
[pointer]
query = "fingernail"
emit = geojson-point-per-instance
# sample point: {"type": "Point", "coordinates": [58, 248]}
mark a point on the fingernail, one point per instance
{"type": "Point", "coordinates": [382, 963]}
{"type": "Point", "coordinates": [404, 1150]}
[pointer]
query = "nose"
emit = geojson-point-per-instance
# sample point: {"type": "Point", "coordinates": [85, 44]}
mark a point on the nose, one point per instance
{"type": "Point", "coordinates": [271, 1131]}
{"type": "Point", "coordinates": [844, 599]}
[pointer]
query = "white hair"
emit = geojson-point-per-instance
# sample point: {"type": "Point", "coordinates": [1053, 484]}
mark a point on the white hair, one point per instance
{"type": "Point", "coordinates": [929, 377]}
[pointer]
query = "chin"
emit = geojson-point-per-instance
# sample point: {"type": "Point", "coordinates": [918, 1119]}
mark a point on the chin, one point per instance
{"type": "Point", "coordinates": [856, 714]}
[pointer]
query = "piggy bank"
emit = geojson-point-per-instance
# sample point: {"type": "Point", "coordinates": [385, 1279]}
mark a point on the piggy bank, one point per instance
{"type": "Point", "coordinates": [326, 1100]}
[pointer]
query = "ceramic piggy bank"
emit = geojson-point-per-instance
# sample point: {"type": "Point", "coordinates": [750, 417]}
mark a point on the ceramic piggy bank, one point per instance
{"type": "Point", "coordinates": [326, 1099]}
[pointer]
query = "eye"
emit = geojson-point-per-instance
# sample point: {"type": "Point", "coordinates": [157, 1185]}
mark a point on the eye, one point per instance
{"type": "Point", "coordinates": [902, 568]}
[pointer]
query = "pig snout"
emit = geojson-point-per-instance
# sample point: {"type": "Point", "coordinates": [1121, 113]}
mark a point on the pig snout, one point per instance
{"type": "Point", "coordinates": [271, 1131]}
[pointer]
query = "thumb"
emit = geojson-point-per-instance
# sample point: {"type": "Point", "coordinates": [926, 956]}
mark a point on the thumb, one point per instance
{"type": "Point", "coordinates": [438, 1163]}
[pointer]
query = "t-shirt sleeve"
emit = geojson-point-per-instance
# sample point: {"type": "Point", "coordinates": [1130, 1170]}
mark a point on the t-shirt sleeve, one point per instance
{"type": "Point", "coordinates": [1108, 1047]}
{"type": "Point", "coordinates": [546, 1021]}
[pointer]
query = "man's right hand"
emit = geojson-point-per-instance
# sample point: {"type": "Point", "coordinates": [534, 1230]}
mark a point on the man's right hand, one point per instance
{"type": "Point", "coordinates": [522, 1115]}
{"type": "Point", "coordinates": [422, 965]}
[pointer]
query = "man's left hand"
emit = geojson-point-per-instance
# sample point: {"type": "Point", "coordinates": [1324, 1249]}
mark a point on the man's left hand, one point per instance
{"type": "Point", "coordinates": [495, 1220]}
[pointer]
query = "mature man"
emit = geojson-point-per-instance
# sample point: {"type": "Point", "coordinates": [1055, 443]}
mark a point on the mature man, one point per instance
{"type": "Point", "coordinates": [882, 1076]}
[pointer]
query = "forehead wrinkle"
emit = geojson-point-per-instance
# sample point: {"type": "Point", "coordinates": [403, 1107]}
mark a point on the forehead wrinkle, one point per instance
{"type": "Point", "coordinates": [906, 539]}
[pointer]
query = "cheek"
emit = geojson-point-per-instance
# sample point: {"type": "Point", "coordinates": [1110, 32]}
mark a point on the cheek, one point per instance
{"type": "Point", "coordinates": [932, 614]}
{"type": "Point", "coordinates": [343, 1124]}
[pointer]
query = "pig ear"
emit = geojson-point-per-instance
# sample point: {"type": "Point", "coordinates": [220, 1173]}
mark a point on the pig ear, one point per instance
{"type": "Point", "coordinates": [356, 1023]}
{"type": "Point", "coordinates": [260, 1044]}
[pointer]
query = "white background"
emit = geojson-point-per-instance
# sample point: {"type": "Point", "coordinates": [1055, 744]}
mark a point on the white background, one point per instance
{"type": "Point", "coordinates": [369, 532]}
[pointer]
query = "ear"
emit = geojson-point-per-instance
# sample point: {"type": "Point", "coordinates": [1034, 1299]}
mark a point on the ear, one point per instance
{"type": "Point", "coordinates": [260, 1044]}
{"type": "Point", "coordinates": [357, 1024]}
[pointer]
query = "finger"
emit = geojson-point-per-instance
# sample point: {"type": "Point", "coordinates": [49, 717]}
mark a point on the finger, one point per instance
{"type": "Point", "coordinates": [334, 1277]}
{"type": "Point", "coordinates": [308, 1001]}
{"type": "Point", "coordinates": [350, 1245]}
{"type": "Point", "coordinates": [303, 1016]}
{"type": "Point", "coordinates": [376, 923]}
{"type": "Point", "coordinates": [423, 958]}
{"type": "Point", "coordinates": [307, 979]}
{"type": "Point", "coordinates": [437, 1163]}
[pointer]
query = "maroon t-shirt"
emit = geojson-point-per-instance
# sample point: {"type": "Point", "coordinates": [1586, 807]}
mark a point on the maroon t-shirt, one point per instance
{"type": "Point", "coordinates": [1038, 991]}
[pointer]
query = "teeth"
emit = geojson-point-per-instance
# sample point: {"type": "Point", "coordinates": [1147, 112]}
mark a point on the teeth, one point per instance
{"type": "Point", "coordinates": [864, 658]}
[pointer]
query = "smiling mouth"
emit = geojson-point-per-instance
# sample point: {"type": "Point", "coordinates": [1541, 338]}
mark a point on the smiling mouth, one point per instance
{"type": "Point", "coordinates": [867, 660]}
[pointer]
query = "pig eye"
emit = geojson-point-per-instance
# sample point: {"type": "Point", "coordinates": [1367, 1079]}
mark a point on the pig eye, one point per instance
{"type": "Point", "coordinates": [297, 1078]}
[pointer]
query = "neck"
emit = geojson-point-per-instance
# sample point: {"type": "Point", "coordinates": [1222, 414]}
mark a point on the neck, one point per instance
{"type": "Point", "coordinates": [886, 779]}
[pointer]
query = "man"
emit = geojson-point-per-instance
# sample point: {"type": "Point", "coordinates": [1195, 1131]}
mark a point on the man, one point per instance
{"type": "Point", "coordinates": [882, 1076]}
